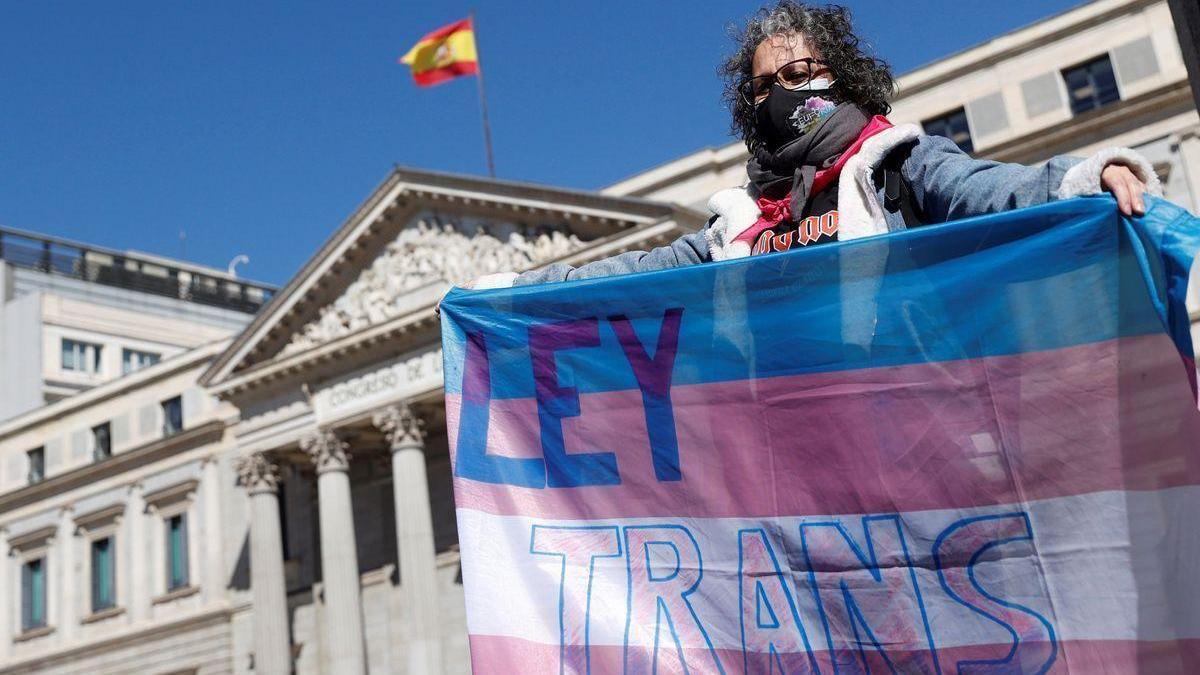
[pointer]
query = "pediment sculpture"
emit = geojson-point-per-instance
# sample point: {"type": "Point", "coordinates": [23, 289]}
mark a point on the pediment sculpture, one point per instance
{"type": "Point", "coordinates": [422, 254]}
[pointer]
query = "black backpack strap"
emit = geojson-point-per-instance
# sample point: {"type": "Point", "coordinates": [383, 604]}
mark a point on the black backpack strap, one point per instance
{"type": "Point", "coordinates": [897, 193]}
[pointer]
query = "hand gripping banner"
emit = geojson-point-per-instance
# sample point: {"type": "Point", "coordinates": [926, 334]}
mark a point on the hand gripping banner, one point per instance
{"type": "Point", "coordinates": [969, 447]}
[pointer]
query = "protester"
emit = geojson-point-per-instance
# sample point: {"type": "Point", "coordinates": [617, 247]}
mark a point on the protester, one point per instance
{"type": "Point", "coordinates": [826, 164]}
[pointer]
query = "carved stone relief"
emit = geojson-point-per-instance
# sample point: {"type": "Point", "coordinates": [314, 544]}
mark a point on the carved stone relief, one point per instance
{"type": "Point", "coordinates": [426, 252]}
{"type": "Point", "coordinates": [327, 451]}
{"type": "Point", "coordinates": [257, 473]}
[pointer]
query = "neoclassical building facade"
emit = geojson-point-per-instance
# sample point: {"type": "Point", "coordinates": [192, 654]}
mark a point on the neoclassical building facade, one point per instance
{"type": "Point", "coordinates": [341, 431]}
{"type": "Point", "coordinates": [273, 495]}
{"type": "Point", "coordinates": [279, 500]}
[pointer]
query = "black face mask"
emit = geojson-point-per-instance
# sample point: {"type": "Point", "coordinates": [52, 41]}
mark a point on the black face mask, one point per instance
{"type": "Point", "coordinates": [786, 115]}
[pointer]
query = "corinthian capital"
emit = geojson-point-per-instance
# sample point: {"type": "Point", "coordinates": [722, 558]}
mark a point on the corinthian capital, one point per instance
{"type": "Point", "coordinates": [257, 473]}
{"type": "Point", "coordinates": [327, 451]}
{"type": "Point", "coordinates": [403, 427]}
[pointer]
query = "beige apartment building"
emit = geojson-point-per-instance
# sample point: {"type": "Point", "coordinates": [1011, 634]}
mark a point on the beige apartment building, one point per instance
{"type": "Point", "coordinates": [272, 492]}
{"type": "Point", "coordinates": [73, 315]}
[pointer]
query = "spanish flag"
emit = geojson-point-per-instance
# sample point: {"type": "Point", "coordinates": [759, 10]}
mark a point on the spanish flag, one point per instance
{"type": "Point", "coordinates": [444, 54]}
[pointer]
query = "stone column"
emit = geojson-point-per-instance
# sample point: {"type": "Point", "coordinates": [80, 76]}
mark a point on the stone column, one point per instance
{"type": "Point", "coordinates": [414, 536]}
{"type": "Point", "coordinates": [272, 649]}
{"type": "Point", "coordinates": [212, 577]}
{"type": "Point", "coordinates": [138, 555]}
{"type": "Point", "coordinates": [66, 575]}
{"type": "Point", "coordinates": [343, 629]}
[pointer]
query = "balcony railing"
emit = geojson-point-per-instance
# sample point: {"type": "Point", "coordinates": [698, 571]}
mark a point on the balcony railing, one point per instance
{"type": "Point", "coordinates": [130, 271]}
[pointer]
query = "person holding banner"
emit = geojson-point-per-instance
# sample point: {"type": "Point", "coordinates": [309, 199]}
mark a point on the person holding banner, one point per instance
{"type": "Point", "coordinates": [826, 164]}
{"type": "Point", "coordinates": [965, 448]}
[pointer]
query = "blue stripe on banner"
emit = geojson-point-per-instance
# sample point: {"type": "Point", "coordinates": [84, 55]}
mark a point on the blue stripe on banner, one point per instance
{"type": "Point", "coordinates": [1057, 275]}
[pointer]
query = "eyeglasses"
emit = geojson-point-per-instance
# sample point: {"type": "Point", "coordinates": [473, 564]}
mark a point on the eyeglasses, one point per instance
{"type": "Point", "coordinates": [792, 76]}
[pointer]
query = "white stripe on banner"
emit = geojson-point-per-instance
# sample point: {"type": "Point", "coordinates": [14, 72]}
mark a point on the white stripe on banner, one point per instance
{"type": "Point", "coordinates": [1101, 566]}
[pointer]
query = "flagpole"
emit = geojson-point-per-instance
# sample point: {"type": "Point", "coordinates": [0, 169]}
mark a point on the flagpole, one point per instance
{"type": "Point", "coordinates": [487, 128]}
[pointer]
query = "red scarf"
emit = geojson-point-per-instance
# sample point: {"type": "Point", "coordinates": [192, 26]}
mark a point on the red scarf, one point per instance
{"type": "Point", "coordinates": [775, 211]}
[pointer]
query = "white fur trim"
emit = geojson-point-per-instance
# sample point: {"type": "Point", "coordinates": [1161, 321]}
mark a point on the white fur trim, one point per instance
{"type": "Point", "coordinates": [497, 280]}
{"type": "Point", "coordinates": [1084, 177]}
{"type": "Point", "coordinates": [859, 212]}
{"type": "Point", "coordinates": [737, 249]}
{"type": "Point", "coordinates": [736, 211]}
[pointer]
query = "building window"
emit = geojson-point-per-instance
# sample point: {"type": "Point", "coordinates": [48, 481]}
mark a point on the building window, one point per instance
{"type": "Point", "coordinates": [80, 357]}
{"type": "Point", "coordinates": [172, 416]}
{"type": "Point", "coordinates": [134, 360]}
{"type": "Point", "coordinates": [104, 582]}
{"type": "Point", "coordinates": [33, 594]}
{"type": "Point", "coordinates": [953, 126]}
{"type": "Point", "coordinates": [1091, 85]}
{"type": "Point", "coordinates": [177, 552]}
{"type": "Point", "coordinates": [101, 442]}
{"type": "Point", "coordinates": [37, 465]}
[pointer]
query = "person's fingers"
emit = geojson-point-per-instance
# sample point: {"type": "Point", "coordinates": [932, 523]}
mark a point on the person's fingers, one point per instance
{"type": "Point", "coordinates": [1137, 192]}
{"type": "Point", "coordinates": [1108, 181]}
{"type": "Point", "coordinates": [1126, 187]}
{"type": "Point", "coordinates": [1134, 188]}
{"type": "Point", "coordinates": [1121, 192]}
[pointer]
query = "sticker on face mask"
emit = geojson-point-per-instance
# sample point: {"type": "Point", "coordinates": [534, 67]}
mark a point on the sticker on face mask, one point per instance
{"type": "Point", "coordinates": [812, 113]}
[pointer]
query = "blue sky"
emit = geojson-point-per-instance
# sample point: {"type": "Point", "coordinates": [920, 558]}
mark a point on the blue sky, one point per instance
{"type": "Point", "coordinates": [257, 127]}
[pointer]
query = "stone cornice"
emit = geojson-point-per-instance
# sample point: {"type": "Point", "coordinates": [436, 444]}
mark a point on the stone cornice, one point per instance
{"type": "Point", "coordinates": [187, 439]}
{"type": "Point", "coordinates": [1090, 127]}
{"type": "Point", "coordinates": [99, 518]}
{"type": "Point", "coordinates": [395, 335]}
{"type": "Point", "coordinates": [33, 539]}
{"type": "Point", "coordinates": [708, 160]}
{"type": "Point", "coordinates": [1019, 41]}
{"type": "Point", "coordinates": [121, 639]}
{"type": "Point", "coordinates": [171, 493]}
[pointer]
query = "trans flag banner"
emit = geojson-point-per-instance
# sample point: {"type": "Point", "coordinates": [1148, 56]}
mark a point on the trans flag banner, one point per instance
{"type": "Point", "coordinates": [965, 448]}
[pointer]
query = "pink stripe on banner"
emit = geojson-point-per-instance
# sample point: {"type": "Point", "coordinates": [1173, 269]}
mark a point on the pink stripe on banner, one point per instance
{"type": "Point", "coordinates": [499, 654]}
{"type": "Point", "coordinates": [1115, 415]}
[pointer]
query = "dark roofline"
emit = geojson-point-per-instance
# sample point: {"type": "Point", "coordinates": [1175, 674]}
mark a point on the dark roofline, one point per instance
{"type": "Point", "coordinates": [140, 256]}
{"type": "Point", "coordinates": [140, 273]}
{"type": "Point", "coordinates": [1126, 8]}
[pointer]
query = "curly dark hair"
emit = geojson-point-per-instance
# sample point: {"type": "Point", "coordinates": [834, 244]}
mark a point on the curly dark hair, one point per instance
{"type": "Point", "coordinates": [861, 77]}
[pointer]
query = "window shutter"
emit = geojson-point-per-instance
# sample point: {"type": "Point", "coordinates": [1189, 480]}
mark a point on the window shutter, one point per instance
{"type": "Point", "coordinates": [183, 551]}
{"type": "Point", "coordinates": [96, 576]}
{"type": "Point", "coordinates": [39, 594]}
{"type": "Point", "coordinates": [1135, 60]}
{"type": "Point", "coordinates": [26, 597]}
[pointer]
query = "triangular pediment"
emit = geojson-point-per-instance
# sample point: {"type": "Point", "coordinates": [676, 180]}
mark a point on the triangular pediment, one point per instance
{"type": "Point", "coordinates": [420, 232]}
{"type": "Point", "coordinates": [431, 252]}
